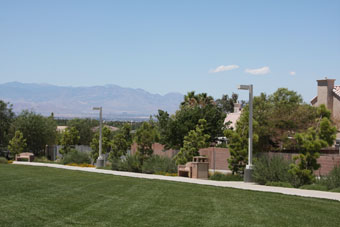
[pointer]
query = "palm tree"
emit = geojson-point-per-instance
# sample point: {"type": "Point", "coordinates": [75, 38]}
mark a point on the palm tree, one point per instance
{"type": "Point", "coordinates": [190, 100]}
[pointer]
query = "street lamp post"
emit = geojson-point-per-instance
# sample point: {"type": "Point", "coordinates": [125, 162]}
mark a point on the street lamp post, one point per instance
{"type": "Point", "coordinates": [100, 160]}
{"type": "Point", "coordinates": [249, 168]}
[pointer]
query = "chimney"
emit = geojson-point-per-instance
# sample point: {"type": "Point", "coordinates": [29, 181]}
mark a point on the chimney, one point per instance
{"type": "Point", "coordinates": [325, 92]}
{"type": "Point", "coordinates": [237, 107]}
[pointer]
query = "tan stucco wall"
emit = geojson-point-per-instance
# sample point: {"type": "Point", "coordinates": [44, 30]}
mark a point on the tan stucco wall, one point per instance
{"type": "Point", "coordinates": [336, 113]}
{"type": "Point", "coordinates": [325, 93]}
{"type": "Point", "coordinates": [336, 108]}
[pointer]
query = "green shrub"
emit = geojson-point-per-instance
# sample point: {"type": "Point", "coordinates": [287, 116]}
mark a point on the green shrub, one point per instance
{"type": "Point", "coordinates": [3, 160]}
{"type": "Point", "coordinates": [279, 184]}
{"type": "Point", "coordinates": [43, 159]}
{"type": "Point", "coordinates": [23, 159]}
{"type": "Point", "coordinates": [332, 180]}
{"type": "Point", "coordinates": [318, 187]}
{"type": "Point", "coordinates": [272, 169]}
{"type": "Point", "coordinates": [336, 190]}
{"type": "Point", "coordinates": [156, 164]}
{"type": "Point", "coordinates": [77, 157]}
{"type": "Point", "coordinates": [129, 163]}
{"type": "Point", "coordinates": [225, 177]}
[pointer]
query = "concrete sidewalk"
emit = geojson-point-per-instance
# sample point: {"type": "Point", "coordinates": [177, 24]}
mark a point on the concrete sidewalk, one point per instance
{"type": "Point", "coordinates": [227, 184]}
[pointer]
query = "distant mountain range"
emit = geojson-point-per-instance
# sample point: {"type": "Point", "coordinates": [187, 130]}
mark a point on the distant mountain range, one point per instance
{"type": "Point", "coordinates": [117, 102]}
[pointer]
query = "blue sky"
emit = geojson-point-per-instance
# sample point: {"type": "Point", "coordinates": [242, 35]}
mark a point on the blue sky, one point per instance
{"type": "Point", "coordinates": [172, 46]}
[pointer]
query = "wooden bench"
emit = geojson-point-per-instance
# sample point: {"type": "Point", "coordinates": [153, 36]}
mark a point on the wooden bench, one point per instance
{"type": "Point", "coordinates": [27, 155]}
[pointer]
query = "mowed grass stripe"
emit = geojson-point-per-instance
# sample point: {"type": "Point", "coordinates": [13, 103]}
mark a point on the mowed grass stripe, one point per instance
{"type": "Point", "coordinates": [40, 196]}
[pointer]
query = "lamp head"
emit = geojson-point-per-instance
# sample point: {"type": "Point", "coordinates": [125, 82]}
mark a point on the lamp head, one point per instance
{"type": "Point", "coordinates": [244, 87]}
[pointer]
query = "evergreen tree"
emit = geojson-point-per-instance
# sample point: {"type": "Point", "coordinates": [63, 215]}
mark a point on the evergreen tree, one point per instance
{"type": "Point", "coordinates": [145, 136]}
{"type": "Point", "coordinates": [195, 140]}
{"type": "Point", "coordinates": [310, 143]}
{"type": "Point", "coordinates": [17, 144]}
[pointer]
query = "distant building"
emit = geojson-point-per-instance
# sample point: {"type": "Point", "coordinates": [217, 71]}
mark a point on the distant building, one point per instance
{"type": "Point", "coordinates": [61, 128]}
{"type": "Point", "coordinates": [233, 117]}
{"type": "Point", "coordinates": [329, 94]}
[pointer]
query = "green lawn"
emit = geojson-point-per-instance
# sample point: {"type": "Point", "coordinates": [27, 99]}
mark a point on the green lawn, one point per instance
{"type": "Point", "coordinates": [40, 196]}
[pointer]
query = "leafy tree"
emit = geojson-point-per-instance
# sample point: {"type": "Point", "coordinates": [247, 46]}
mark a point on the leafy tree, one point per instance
{"type": "Point", "coordinates": [84, 127]}
{"type": "Point", "coordinates": [38, 131]}
{"type": "Point", "coordinates": [310, 143]}
{"type": "Point", "coordinates": [69, 138]}
{"type": "Point", "coordinates": [6, 118]}
{"type": "Point", "coordinates": [195, 140]}
{"type": "Point", "coordinates": [121, 142]}
{"type": "Point", "coordinates": [174, 128]}
{"type": "Point", "coordinates": [106, 143]}
{"type": "Point", "coordinates": [276, 119]}
{"type": "Point", "coordinates": [226, 103]}
{"type": "Point", "coordinates": [145, 136]}
{"type": "Point", "coordinates": [17, 144]}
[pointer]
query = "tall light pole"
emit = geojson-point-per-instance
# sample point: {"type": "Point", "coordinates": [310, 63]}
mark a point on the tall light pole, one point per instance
{"type": "Point", "coordinates": [249, 168]}
{"type": "Point", "coordinates": [100, 160]}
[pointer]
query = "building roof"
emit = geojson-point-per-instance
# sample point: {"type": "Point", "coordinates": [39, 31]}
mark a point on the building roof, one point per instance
{"type": "Point", "coordinates": [336, 90]}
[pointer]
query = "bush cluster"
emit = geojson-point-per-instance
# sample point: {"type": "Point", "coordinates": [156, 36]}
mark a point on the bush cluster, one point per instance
{"type": "Point", "coordinates": [129, 163]}
{"type": "Point", "coordinates": [272, 169]}
{"type": "Point", "coordinates": [157, 164]}
{"type": "Point", "coordinates": [77, 157]}
{"type": "Point", "coordinates": [42, 159]}
{"type": "Point", "coordinates": [153, 164]}
{"type": "Point", "coordinates": [225, 177]}
{"type": "Point", "coordinates": [3, 160]}
{"type": "Point", "coordinates": [332, 180]}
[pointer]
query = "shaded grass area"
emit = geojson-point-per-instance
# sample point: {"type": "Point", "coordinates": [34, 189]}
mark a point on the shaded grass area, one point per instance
{"type": "Point", "coordinates": [38, 196]}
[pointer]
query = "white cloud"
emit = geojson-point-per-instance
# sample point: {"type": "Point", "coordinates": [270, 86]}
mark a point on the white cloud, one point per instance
{"type": "Point", "coordinates": [292, 73]}
{"type": "Point", "coordinates": [222, 68]}
{"type": "Point", "coordinates": [260, 71]}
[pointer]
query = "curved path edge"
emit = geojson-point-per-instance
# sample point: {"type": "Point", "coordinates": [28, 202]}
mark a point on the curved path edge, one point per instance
{"type": "Point", "coordinates": [227, 184]}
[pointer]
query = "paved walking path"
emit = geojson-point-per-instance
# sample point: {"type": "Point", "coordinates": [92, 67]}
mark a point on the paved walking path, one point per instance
{"type": "Point", "coordinates": [227, 184]}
